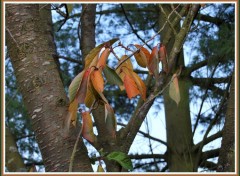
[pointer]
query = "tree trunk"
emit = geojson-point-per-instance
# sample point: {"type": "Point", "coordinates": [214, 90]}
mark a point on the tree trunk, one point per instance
{"type": "Point", "coordinates": [31, 48]}
{"type": "Point", "coordinates": [226, 161]}
{"type": "Point", "coordinates": [87, 28]}
{"type": "Point", "coordinates": [13, 160]}
{"type": "Point", "coordinates": [105, 141]}
{"type": "Point", "coordinates": [178, 119]}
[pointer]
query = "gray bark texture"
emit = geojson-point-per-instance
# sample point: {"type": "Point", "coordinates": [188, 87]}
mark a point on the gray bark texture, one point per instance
{"type": "Point", "coordinates": [226, 161]}
{"type": "Point", "coordinates": [31, 47]}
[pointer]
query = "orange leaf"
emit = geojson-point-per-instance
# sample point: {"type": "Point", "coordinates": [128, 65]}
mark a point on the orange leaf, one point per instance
{"type": "Point", "coordinates": [144, 50]}
{"type": "Point", "coordinates": [153, 62]}
{"type": "Point", "coordinates": [87, 127]}
{"type": "Point", "coordinates": [81, 93]}
{"type": "Point", "coordinates": [140, 84]}
{"type": "Point", "coordinates": [103, 58]}
{"type": "Point", "coordinates": [130, 86]}
{"type": "Point", "coordinates": [141, 58]}
{"type": "Point", "coordinates": [174, 92]}
{"type": "Point", "coordinates": [163, 57]}
{"type": "Point", "coordinates": [90, 96]}
{"type": "Point", "coordinates": [71, 116]}
{"type": "Point", "coordinates": [97, 80]}
{"type": "Point", "coordinates": [95, 51]}
{"type": "Point", "coordinates": [162, 52]}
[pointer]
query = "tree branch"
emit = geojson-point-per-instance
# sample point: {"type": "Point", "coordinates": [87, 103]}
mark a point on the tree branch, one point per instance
{"type": "Point", "coordinates": [147, 135]}
{"type": "Point", "coordinates": [203, 99]}
{"type": "Point", "coordinates": [210, 154]}
{"type": "Point", "coordinates": [196, 66]}
{"type": "Point", "coordinates": [131, 26]}
{"type": "Point", "coordinates": [213, 80]}
{"type": "Point", "coordinates": [208, 140]}
{"type": "Point", "coordinates": [211, 87]}
{"type": "Point", "coordinates": [69, 59]}
{"type": "Point", "coordinates": [209, 165]}
{"type": "Point", "coordinates": [146, 156]}
{"type": "Point", "coordinates": [211, 126]}
{"type": "Point", "coordinates": [215, 20]}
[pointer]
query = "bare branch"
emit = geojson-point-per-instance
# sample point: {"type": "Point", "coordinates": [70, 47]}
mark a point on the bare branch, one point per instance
{"type": "Point", "coordinates": [146, 156]}
{"type": "Point", "coordinates": [211, 125]}
{"type": "Point", "coordinates": [131, 26]}
{"type": "Point", "coordinates": [203, 99]}
{"type": "Point", "coordinates": [69, 59]}
{"type": "Point", "coordinates": [208, 140]}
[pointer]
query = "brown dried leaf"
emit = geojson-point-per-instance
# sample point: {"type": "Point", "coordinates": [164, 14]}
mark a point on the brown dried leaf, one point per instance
{"type": "Point", "coordinates": [174, 91]}
{"type": "Point", "coordinates": [97, 80]}
{"type": "Point", "coordinates": [87, 125]}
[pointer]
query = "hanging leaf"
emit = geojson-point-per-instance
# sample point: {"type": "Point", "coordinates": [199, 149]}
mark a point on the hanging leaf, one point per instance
{"type": "Point", "coordinates": [130, 86]}
{"type": "Point", "coordinates": [174, 92]}
{"type": "Point", "coordinates": [82, 91]}
{"type": "Point", "coordinates": [103, 58]}
{"type": "Point", "coordinates": [74, 86]}
{"type": "Point", "coordinates": [144, 50]}
{"type": "Point", "coordinates": [122, 159]}
{"type": "Point", "coordinates": [69, 8]}
{"type": "Point", "coordinates": [94, 61]}
{"type": "Point", "coordinates": [71, 116]}
{"type": "Point", "coordinates": [97, 80]}
{"type": "Point", "coordinates": [140, 84]}
{"type": "Point", "coordinates": [100, 168]}
{"type": "Point", "coordinates": [90, 96]}
{"type": "Point", "coordinates": [111, 76]}
{"type": "Point", "coordinates": [163, 57]}
{"type": "Point", "coordinates": [89, 58]}
{"type": "Point", "coordinates": [141, 58]}
{"type": "Point", "coordinates": [87, 125]}
{"type": "Point", "coordinates": [153, 63]}
{"type": "Point", "coordinates": [110, 120]}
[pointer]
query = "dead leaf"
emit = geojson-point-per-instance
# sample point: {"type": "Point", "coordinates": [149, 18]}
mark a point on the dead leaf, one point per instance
{"type": "Point", "coordinates": [74, 86]}
{"type": "Point", "coordinates": [144, 50]}
{"type": "Point", "coordinates": [92, 54]}
{"type": "Point", "coordinates": [140, 84]}
{"type": "Point", "coordinates": [130, 86]}
{"type": "Point", "coordinates": [103, 58]}
{"type": "Point", "coordinates": [174, 91]}
{"type": "Point", "coordinates": [153, 62]}
{"type": "Point", "coordinates": [97, 80]}
{"type": "Point", "coordinates": [163, 57]}
{"type": "Point", "coordinates": [87, 125]}
{"type": "Point", "coordinates": [82, 91]}
{"type": "Point", "coordinates": [141, 58]}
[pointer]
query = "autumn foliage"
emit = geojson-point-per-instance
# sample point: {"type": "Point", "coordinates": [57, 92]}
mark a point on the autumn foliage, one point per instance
{"type": "Point", "coordinates": [88, 86]}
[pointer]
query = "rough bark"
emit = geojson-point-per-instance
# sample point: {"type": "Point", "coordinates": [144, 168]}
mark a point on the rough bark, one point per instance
{"type": "Point", "coordinates": [13, 160]}
{"type": "Point", "coordinates": [31, 48]}
{"type": "Point", "coordinates": [226, 161]}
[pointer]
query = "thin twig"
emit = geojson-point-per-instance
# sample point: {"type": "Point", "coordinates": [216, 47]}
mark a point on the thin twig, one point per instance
{"type": "Point", "coordinates": [211, 126]}
{"type": "Point", "coordinates": [205, 96]}
{"type": "Point", "coordinates": [130, 24]}
{"type": "Point", "coordinates": [74, 151]}
{"type": "Point", "coordinates": [119, 64]}
{"type": "Point", "coordinates": [167, 19]}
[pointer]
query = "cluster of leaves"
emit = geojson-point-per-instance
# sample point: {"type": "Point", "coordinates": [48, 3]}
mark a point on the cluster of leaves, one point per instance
{"type": "Point", "coordinates": [88, 86]}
